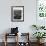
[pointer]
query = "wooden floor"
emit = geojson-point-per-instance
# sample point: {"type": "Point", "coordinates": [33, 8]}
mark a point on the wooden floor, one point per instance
{"type": "Point", "coordinates": [13, 44]}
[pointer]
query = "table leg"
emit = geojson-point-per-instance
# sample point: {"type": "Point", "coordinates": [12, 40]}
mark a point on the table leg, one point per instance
{"type": "Point", "coordinates": [5, 40]}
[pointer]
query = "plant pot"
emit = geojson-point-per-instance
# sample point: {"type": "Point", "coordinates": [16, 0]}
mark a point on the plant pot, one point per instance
{"type": "Point", "coordinates": [40, 41]}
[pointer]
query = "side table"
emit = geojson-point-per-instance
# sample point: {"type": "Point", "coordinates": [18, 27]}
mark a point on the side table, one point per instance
{"type": "Point", "coordinates": [8, 34]}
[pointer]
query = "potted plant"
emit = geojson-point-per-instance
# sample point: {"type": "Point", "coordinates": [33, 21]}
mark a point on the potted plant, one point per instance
{"type": "Point", "coordinates": [39, 35]}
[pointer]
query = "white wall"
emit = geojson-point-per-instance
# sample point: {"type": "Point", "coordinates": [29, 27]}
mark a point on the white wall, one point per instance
{"type": "Point", "coordinates": [29, 15]}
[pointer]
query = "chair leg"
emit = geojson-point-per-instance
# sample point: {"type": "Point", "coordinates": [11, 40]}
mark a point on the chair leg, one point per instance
{"type": "Point", "coordinates": [5, 44]}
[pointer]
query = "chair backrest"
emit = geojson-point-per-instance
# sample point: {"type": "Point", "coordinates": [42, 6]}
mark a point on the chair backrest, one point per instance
{"type": "Point", "coordinates": [24, 37]}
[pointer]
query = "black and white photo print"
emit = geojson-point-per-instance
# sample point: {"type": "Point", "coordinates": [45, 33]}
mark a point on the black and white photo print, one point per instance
{"type": "Point", "coordinates": [17, 13]}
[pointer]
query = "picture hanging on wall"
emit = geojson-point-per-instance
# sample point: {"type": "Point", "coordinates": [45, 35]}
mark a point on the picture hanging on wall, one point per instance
{"type": "Point", "coordinates": [17, 13]}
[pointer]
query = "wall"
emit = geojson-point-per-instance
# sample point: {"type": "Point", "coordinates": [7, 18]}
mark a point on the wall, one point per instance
{"type": "Point", "coordinates": [29, 15]}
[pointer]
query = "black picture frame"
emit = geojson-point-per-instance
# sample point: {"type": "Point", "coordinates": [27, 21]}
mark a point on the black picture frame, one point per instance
{"type": "Point", "coordinates": [17, 13]}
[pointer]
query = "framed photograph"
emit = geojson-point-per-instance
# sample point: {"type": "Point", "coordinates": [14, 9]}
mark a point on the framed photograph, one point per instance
{"type": "Point", "coordinates": [17, 13]}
